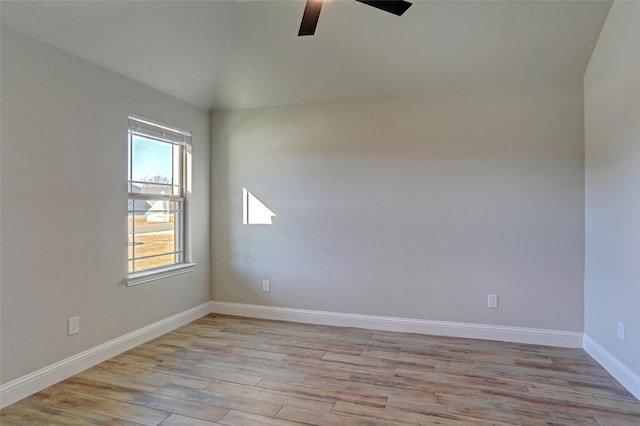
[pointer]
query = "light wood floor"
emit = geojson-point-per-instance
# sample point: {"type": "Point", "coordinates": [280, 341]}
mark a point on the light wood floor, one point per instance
{"type": "Point", "coordinates": [236, 371]}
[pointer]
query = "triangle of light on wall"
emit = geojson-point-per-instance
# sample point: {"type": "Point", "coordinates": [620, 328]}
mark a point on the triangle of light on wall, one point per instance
{"type": "Point", "coordinates": [254, 212]}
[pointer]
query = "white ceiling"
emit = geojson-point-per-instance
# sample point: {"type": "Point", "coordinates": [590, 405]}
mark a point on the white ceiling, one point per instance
{"type": "Point", "coordinates": [244, 54]}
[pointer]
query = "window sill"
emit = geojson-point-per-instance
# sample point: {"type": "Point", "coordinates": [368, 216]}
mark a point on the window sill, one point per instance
{"type": "Point", "coordinates": [156, 274]}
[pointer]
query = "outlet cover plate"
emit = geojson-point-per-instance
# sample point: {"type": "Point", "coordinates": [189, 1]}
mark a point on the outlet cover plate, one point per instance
{"type": "Point", "coordinates": [74, 325]}
{"type": "Point", "coordinates": [492, 301]}
{"type": "Point", "coordinates": [620, 330]}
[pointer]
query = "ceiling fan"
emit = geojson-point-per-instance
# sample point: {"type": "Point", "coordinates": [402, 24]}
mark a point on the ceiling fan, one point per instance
{"type": "Point", "coordinates": [312, 12]}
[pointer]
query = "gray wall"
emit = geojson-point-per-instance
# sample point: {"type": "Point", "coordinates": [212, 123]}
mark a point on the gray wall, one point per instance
{"type": "Point", "coordinates": [612, 119]}
{"type": "Point", "coordinates": [411, 207]}
{"type": "Point", "coordinates": [63, 218]}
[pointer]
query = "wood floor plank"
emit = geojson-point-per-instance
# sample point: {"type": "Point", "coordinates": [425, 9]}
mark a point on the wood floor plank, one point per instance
{"type": "Point", "coordinates": [562, 395]}
{"type": "Point", "coordinates": [178, 420]}
{"type": "Point", "coordinates": [605, 421]}
{"type": "Point", "coordinates": [232, 402]}
{"type": "Point", "coordinates": [308, 417]}
{"type": "Point", "coordinates": [225, 370]}
{"type": "Point", "coordinates": [34, 411]}
{"type": "Point", "coordinates": [378, 415]}
{"type": "Point", "coordinates": [592, 407]}
{"type": "Point", "coordinates": [281, 349]}
{"type": "Point", "coordinates": [150, 375]}
{"type": "Point", "coordinates": [505, 411]}
{"type": "Point", "coordinates": [120, 422]}
{"type": "Point", "coordinates": [540, 374]}
{"type": "Point", "coordinates": [331, 385]}
{"type": "Point", "coordinates": [259, 368]}
{"type": "Point", "coordinates": [329, 368]}
{"type": "Point", "coordinates": [402, 358]}
{"type": "Point", "coordinates": [472, 371]}
{"type": "Point", "coordinates": [104, 406]}
{"type": "Point", "coordinates": [324, 394]}
{"type": "Point", "coordinates": [271, 395]}
{"type": "Point", "coordinates": [198, 410]}
{"type": "Point", "coordinates": [239, 418]}
{"type": "Point", "coordinates": [437, 380]}
{"type": "Point", "coordinates": [213, 373]}
{"type": "Point", "coordinates": [478, 408]}
{"type": "Point", "coordinates": [475, 410]}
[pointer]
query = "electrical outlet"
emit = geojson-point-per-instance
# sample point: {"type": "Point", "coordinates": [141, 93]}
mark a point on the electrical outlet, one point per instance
{"type": "Point", "coordinates": [492, 301]}
{"type": "Point", "coordinates": [620, 330]}
{"type": "Point", "coordinates": [266, 285]}
{"type": "Point", "coordinates": [74, 325]}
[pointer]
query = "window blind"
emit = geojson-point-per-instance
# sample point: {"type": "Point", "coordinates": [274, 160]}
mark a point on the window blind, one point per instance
{"type": "Point", "coordinates": [146, 127]}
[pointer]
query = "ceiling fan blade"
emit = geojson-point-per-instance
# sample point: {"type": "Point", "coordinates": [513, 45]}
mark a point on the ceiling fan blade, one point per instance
{"type": "Point", "coordinates": [310, 17]}
{"type": "Point", "coordinates": [397, 7]}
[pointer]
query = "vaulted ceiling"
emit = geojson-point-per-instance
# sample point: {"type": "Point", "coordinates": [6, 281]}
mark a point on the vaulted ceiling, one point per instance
{"type": "Point", "coordinates": [245, 54]}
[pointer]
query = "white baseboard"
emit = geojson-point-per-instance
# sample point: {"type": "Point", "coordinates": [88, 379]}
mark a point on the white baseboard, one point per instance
{"type": "Point", "coordinates": [623, 374]}
{"type": "Point", "coordinates": [31, 383]}
{"type": "Point", "coordinates": [570, 339]}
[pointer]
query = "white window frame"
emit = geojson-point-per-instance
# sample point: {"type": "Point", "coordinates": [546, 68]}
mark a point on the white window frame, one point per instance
{"type": "Point", "coordinates": [151, 129]}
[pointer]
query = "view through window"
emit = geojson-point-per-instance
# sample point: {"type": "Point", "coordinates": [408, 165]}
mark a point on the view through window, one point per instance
{"type": "Point", "coordinates": [157, 190]}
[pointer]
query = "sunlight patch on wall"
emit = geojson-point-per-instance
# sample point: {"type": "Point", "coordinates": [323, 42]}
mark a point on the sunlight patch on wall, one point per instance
{"type": "Point", "coordinates": [254, 212]}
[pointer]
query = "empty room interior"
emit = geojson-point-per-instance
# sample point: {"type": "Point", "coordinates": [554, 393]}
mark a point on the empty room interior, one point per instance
{"type": "Point", "coordinates": [320, 212]}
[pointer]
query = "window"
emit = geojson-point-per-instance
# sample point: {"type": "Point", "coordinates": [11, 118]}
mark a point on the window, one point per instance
{"type": "Point", "coordinates": [159, 160]}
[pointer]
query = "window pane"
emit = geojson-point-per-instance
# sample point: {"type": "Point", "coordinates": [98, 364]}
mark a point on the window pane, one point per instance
{"type": "Point", "coordinates": [155, 226]}
{"type": "Point", "coordinates": [152, 167]}
{"type": "Point", "coordinates": [155, 262]}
